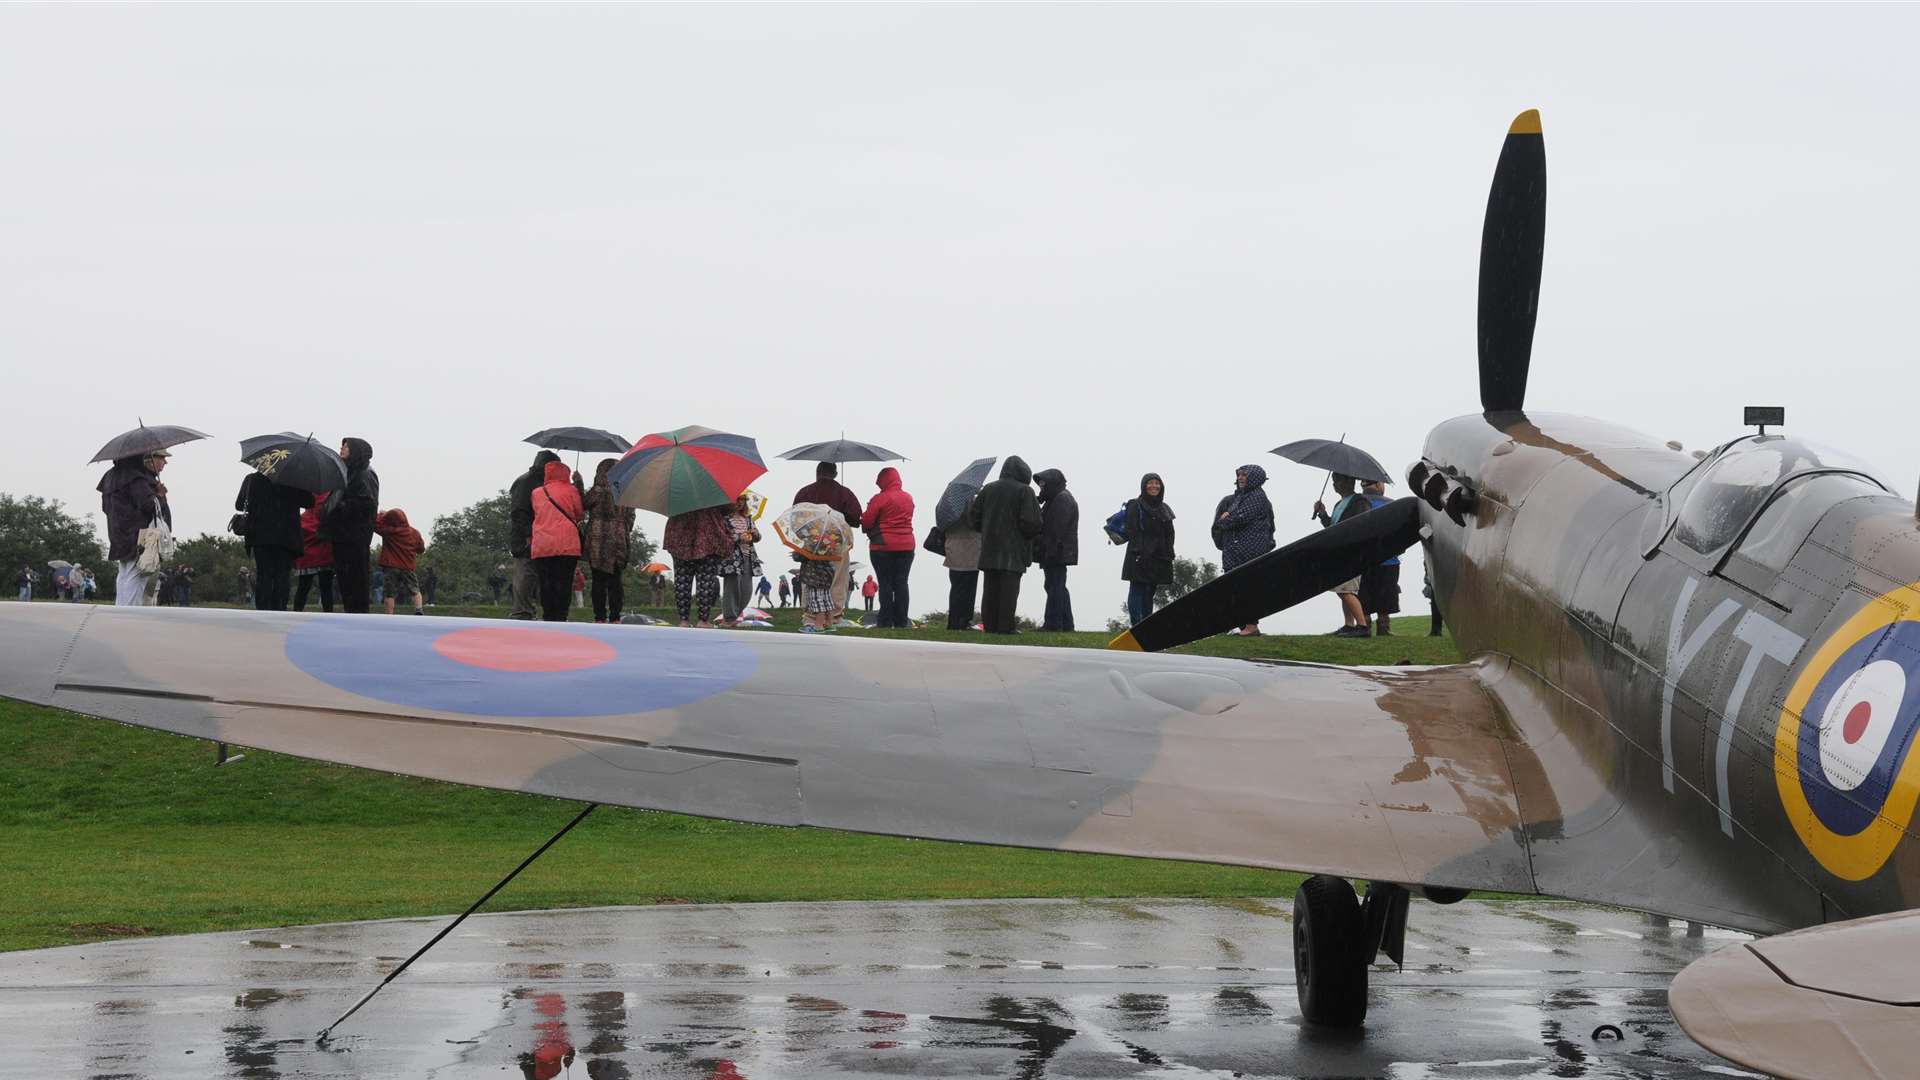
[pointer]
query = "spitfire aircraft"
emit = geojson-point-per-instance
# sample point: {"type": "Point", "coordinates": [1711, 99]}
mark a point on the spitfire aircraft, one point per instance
{"type": "Point", "coordinates": [1693, 690]}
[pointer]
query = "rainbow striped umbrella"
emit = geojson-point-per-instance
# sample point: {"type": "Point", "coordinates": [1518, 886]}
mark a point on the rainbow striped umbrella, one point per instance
{"type": "Point", "coordinates": [689, 469]}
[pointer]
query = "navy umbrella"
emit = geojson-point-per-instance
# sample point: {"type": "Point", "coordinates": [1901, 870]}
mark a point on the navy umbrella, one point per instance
{"type": "Point", "coordinates": [842, 449]}
{"type": "Point", "coordinates": [579, 439]}
{"type": "Point", "coordinates": [1333, 456]}
{"type": "Point", "coordinates": [960, 492]}
{"type": "Point", "coordinates": [144, 440]}
{"type": "Point", "coordinates": [295, 460]}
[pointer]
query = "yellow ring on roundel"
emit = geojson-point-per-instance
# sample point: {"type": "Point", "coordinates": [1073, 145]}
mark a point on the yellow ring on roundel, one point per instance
{"type": "Point", "coordinates": [1859, 856]}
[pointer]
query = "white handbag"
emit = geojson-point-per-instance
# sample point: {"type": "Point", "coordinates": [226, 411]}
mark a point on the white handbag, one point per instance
{"type": "Point", "coordinates": [157, 545]}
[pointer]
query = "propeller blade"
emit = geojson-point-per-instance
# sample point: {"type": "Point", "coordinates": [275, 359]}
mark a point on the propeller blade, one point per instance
{"type": "Point", "coordinates": [1280, 579]}
{"type": "Point", "coordinates": [1512, 244]}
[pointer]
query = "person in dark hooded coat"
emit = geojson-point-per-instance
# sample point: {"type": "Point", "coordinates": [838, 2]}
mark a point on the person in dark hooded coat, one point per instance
{"type": "Point", "coordinates": [273, 536]}
{"type": "Point", "coordinates": [1059, 546]}
{"type": "Point", "coordinates": [524, 582]}
{"type": "Point", "coordinates": [1007, 516]}
{"type": "Point", "coordinates": [1148, 563]}
{"type": "Point", "coordinates": [349, 522]}
{"type": "Point", "coordinates": [1243, 525]}
{"type": "Point", "coordinates": [132, 498]}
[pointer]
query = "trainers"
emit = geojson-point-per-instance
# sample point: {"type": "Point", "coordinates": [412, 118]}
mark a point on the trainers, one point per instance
{"type": "Point", "coordinates": [1353, 631]}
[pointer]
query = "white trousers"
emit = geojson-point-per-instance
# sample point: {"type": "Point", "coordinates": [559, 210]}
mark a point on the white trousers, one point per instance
{"type": "Point", "coordinates": [131, 588]}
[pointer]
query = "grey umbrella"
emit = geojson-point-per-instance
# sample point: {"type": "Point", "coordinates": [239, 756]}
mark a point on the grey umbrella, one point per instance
{"type": "Point", "coordinates": [295, 460]}
{"type": "Point", "coordinates": [144, 440]}
{"type": "Point", "coordinates": [842, 449]}
{"type": "Point", "coordinates": [960, 492]}
{"type": "Point", "coordinates": [1333, 456]}
{"type": "Point", "coordinates": [588, 439]}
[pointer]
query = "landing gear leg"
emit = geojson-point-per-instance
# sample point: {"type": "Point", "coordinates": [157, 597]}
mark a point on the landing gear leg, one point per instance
{"type": "Point", "coordinates": [1328, 966]}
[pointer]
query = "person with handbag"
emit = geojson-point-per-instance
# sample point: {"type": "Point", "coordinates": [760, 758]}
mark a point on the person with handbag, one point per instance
{"type": "Point", "coordinates": [135, 503]}
{"type": "Point", "coordinates": [559, 534]}
{"type": "Point", "coordinates": [888, 522]}
{"type": "Point", "coordinates": [268, 519]}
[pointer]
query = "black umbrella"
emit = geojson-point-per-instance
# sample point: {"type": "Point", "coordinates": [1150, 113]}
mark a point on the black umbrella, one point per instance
{"type": "Point", "coordinates": [1333, 456]}
{"type": "Point", "coordinates": [296, 461]}
{"type": "Point", "coordinates": [144, 440]}
{"type": "Point", "coordinates": [579, 439]}
{"type": "Point", "coordinates": [960, 492]}
{"type": "Point", "coordinates": [842, 449]}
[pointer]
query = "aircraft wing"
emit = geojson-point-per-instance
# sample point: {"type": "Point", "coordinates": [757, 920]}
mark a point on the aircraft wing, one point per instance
{"type": "Point", "coordinates": [1388, 774]}
{"type": "Point", "coordinates": [1834, 1000]}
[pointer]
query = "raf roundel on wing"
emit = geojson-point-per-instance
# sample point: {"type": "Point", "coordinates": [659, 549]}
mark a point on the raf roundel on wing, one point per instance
{"type": "Point", "coordinates": [519, 671]}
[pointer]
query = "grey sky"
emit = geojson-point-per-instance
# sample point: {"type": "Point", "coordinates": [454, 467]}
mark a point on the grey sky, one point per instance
{"type": "Point", "coordinates": [1108, 239]}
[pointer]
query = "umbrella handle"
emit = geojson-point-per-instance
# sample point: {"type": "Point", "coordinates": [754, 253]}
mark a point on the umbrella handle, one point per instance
{"type": "Point", "coordinates": [1324, 482]}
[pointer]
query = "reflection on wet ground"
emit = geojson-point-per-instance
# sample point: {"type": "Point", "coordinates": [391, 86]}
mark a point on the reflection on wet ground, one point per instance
{"type": "Point", "coordinates": [1024, 989]}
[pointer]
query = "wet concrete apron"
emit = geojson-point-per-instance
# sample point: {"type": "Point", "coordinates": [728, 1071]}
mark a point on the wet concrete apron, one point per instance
{"type": "Point", "coordinates": [942, 988]}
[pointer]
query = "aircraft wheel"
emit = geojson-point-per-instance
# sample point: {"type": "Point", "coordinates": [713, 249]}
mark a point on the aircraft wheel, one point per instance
{"type": "Point", "coordinates": [1327, 966]}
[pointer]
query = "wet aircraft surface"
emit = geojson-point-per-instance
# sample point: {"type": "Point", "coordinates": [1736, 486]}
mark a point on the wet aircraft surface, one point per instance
{"type": "Point", "coordinates": [1028, 989]}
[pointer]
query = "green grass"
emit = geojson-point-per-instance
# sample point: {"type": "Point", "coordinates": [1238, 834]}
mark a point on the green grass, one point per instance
{"type": "Point", "coordinates": [114, 831]}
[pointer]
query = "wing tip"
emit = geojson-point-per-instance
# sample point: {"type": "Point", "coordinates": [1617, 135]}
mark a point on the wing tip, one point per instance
{"type": "Point", "coordinates": [1126, 642]}
{"type": "Point", "coordinates": [1527, 123]}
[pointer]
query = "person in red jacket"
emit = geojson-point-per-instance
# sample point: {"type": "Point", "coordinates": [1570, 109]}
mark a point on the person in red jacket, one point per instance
{"type": "Point", "coordinates": [868, 590]}
{"type": "Point", "coordinates": [400, 548]}
{"type": "Point", "coordinates": [888, 523]}
{"type": "Point", "coordinates": [315, 564]}
{"type": "Point", "coordinates": [559, 507]}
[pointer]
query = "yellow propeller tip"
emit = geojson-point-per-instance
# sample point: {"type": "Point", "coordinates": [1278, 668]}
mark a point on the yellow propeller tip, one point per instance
{"type": "Point", "coordinates": [1527, 123]}
{"type": "Point", "coordinates": [1126, 643]}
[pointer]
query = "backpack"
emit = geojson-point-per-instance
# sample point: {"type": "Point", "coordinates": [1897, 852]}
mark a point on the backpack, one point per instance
{"type": "Point", "coordinates": [1116, 526]}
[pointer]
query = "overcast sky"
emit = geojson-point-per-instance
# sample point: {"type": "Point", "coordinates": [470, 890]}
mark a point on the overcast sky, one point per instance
{"type": "Point", "coordinates": [1108, 239]}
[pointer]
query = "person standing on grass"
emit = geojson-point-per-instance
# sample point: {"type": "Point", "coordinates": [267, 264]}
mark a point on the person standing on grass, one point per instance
{"type": "Point", "coordinates": [888, 522]}
{"type": "Point", "coordinates": [763, 594]}
{"type": "Point", "coordinates": [1380, 585]}
{"type": "Point", "coordinates": [1244, 526]}
{"type": "Point", "coordinates": [869, 589]}
{"type": "Point", "coordinates": [609, 544]}
{"type": "Point", "coordinates": [132, 498]}
{"type": "Point", "coordinates": [274, 537]}
{"type": "Point", "coordinates": [962, 560]}
{"type": "Point", "coordinates": [736, 577]}
{"type": "Point", "coordinates": [559, 514]}
{"type": "Point", "coordinates": [786, 591]}
{"type": "Point", "coordinates": [1058, 548]}
{"type": "Point", "coordinates": [1351, 503]}
{"type": "Point", "coordinates": [314, 566]}
{"type": "Point", "coordinates": [701, 543]}
{"type": "Point", "coordinates": [400, 548]}
{"type": "Point", "coordinates": [497, 580]}
{"type": "Point", "coordinates": [429, 584]}
{"type": "Point", "coordinates": [830, 493]}
{"type": "Point", "coordinates": [1148, 562]}
{"type": "Point", "coordinates": [579, 586]}
{"type": "Point", "coordinates": [348, 521]}
{"type": "Point", "coordinates": [1007, 515]}
{"type": "Point", "coordinates": [523, 581]}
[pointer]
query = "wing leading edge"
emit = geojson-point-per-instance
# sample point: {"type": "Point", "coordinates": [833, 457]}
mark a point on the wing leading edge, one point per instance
{"type": "Point", "coordinates": [1394, 775]}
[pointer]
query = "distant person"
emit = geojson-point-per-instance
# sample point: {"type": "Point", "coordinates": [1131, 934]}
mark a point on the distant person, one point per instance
{"type": "Point", "coordinates": [831, 494]}
{"type": "Point", "coordinates": [243, 582]}
{"type": "Point", "coordinates": [378, 582]}
{"type": "Point", "coordinates": [1243, 526]}
{"type": "Point", "coordinates": [1380, 585]}
{"type": "Point", "coordinates": [273, 537]}
{"type": "Point", "coordinates": [1147, 565]}
{"type": "Point", "coordinates": [23, 583]}
{"type": "Point", "coordinates": [1007, 515]}
{"type": "Point", "coordinates": [1058, 547]}
{"type": "Point", "coordinates": [497, 580]}
{"type": "Point", "coordinates": [869, 589]}
{"type": "Point", "coordinates": [525, 584]}
{"type": "Point", "coordinates": [786, 591]}
{"type": "Point", "coordinates": [657, 584]}
{"type": "Point", "coordinates": [559, 514]}
{"type": "Point", "coordinates": [89, 586]}
{"type": "Point", "coordinates": [183, 576]}
{"type": "Point", "coordinates": [888, 522]}
{"type": "Point", "coordinates": [400, 548]}
{"type": "Point", "coordinates": [132, 498]}
{"type": "Point", "coordinates": [429, 584]}
{"type": "Point", "coordinates": [314, 566]}
{"type": "Point", "coordinates": [742, 565]}
{"type": "Point", "coordinates": [763, 593]}
{"type": "Point", "coordinates": [700, 542]}
{"type": "Point", "coordinates": [609, 545]}
{"type": "Point", "coordinates": [1350, 504]}
{"type": "Point", "coordinates": [962, 560]}
{"type": "Point", "coordinates": [348, 523]}
{"type": "Point", "coordinates": [579, 584]}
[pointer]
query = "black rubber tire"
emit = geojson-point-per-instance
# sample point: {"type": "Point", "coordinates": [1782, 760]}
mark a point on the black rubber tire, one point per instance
{"type": "Point", "coordinates": [1328, 969]}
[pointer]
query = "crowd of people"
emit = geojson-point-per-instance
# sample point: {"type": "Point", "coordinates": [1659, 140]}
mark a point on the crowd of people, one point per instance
{"type": "Point", "coordinates": [570, 542]}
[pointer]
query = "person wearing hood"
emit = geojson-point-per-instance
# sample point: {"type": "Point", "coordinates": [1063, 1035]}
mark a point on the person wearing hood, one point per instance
{"type": "Point", "coordinates": [400, 548]}
{"type": "Point", "coordinates": [133, 498]}
{"type": "Point", "coordinates": [888, 523]}
{"type": "Point", "coordinates": [1243, 525]}
{"type": "Point", "coordinates": [1007, 516]}
{"type": "Point", "coordinates": [701, 543]}
{"type": "Point", "coordinates": [559, 521]}
{"type": "Point", "coordinates": [524, 583]}
{"type": "Point", "coordinates": [273, 534]}
{"type": "Point", "coordinates": [609, 544]}
{"type": "Point", "coordinates": [1059, 546]}
{"type": "Point", "coordinates": [315, 564]}
{"type": "Point", "coordinates": [1148, 563]}
{"type": "Point", "coordinates": [348, 522]}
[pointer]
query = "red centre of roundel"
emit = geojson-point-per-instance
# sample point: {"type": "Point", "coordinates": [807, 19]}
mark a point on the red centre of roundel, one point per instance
{"type": "Point", "coordinates": [521, 649]}
{"type": "Point", "coordinates": [1855, 724]}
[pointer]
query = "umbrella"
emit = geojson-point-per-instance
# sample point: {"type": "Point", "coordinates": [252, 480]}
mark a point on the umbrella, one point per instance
{"type": "Point", "coordinates": [694, 467]}
{"type": "Point", "coordinates": [59, 564]}
{"type": "Point", "coordinates": [1333, 456]}
{"type": "Point", "coordinates": [144, 440]}
{"type": "Point", "coordinates": [842, 449]}
{"type": "Point", "coordinates": [815, 531]}
{"type": "Point", "coordinates": [590, 440]}
{"type": "Point", "coordinates": [655, 568]}
{"type": "Point", "coordinates": [295, 460]}
{"type": "Point", "coordinates": [960, 492]}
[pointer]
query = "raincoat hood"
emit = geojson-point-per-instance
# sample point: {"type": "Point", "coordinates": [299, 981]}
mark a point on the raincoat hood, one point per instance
{"type": "Point", "coordinates": [889, 479]}
{"type": "Point", "coordinates": [600, 473]}
{"type": "Point", "coordinates": [542, 459]}
{"type": "Point", "coordinates": [394, 519]}
{"type": "Point", "coordinates": [1052, 482]}
{"type": "Point", "coordinates": [1153, 500]}
{"type": "Point", "coordinates": [1255, 475]}
{"type": "Point", "coordinates": [1017, 470]}
{"type": "Point", "coordinates": [557, 472]}
{"type": "Point", "coordinates": [125, 471]}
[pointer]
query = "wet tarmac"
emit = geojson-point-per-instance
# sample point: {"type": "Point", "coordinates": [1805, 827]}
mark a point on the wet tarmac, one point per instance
{"type": "Point", "coordinates": [1018, 989]}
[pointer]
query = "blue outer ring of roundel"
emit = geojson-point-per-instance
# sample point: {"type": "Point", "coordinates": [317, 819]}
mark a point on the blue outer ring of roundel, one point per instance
{"type": "Point", "coordinates": [394, 661]}
{"type": "Point", "coordinates": [1846, 813]}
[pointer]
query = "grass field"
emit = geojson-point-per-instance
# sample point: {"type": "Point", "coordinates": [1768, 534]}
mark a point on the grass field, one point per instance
{"type": "Point", "coordinates": [114, 831]}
